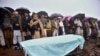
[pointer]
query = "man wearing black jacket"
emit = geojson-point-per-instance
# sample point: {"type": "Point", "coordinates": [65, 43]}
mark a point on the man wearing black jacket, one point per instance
{"type": "Point", "coordinates": [25, 26]}
{"type": "Point", "coordinates": [16, 23]}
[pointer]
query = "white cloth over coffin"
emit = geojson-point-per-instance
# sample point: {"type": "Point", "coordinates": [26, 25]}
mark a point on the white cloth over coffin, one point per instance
{"type": "Point", "coordinates": [53, 46]}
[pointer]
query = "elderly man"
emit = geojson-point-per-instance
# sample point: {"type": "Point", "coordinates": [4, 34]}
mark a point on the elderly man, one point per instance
{"type": "Point", "coordinates": [16, 23]}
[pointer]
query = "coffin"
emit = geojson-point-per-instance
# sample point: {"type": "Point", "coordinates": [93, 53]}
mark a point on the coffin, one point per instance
{"type": "Point", "coordinates": [53, 46]}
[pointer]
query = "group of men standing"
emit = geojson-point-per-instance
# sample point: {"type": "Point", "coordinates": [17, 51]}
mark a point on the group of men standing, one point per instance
{"type": "Point", "coordinates": [16, 27]}
{"type": "Point", "coordinates": [20, 27]}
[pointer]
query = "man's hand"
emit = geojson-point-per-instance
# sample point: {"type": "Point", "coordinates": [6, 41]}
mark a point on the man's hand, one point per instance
{"type": "Point", "coordinates": [28, 24]}
{"type": "Point", "coordinates": [17, 24]}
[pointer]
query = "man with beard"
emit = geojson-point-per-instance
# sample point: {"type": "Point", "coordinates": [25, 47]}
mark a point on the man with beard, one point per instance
{"type": "Point", "coordinates": [25, 26]}
{"type": "Point", "coordinates": [16, 23]}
